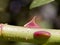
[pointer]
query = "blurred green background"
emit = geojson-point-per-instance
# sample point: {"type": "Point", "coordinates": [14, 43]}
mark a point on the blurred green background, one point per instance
{"type": "Point", "coordinates": [21, 19]}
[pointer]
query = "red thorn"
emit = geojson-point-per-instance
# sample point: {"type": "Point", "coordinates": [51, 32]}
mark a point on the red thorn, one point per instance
{"type": "Point", "coordinates": [42, 34]}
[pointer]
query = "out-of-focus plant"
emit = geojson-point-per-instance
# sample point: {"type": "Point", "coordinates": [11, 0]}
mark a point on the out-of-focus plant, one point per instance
{"type": "Point", "coordinates": [37, 3]}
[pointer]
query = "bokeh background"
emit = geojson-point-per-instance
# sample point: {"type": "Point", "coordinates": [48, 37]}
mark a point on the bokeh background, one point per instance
{"type": "Point", "coordinates": [7, 14]}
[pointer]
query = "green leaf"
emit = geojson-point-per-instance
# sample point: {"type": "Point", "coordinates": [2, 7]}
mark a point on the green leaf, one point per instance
{"type": "Point", "coordinates": [37, 3]}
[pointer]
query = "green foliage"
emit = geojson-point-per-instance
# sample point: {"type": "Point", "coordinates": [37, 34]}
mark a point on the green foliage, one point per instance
{"type": "Point", "coordinates": [37, 3]}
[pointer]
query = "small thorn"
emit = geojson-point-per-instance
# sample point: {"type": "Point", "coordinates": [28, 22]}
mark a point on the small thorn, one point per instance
{"type": "Point", "coordinates": [42, 34]}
